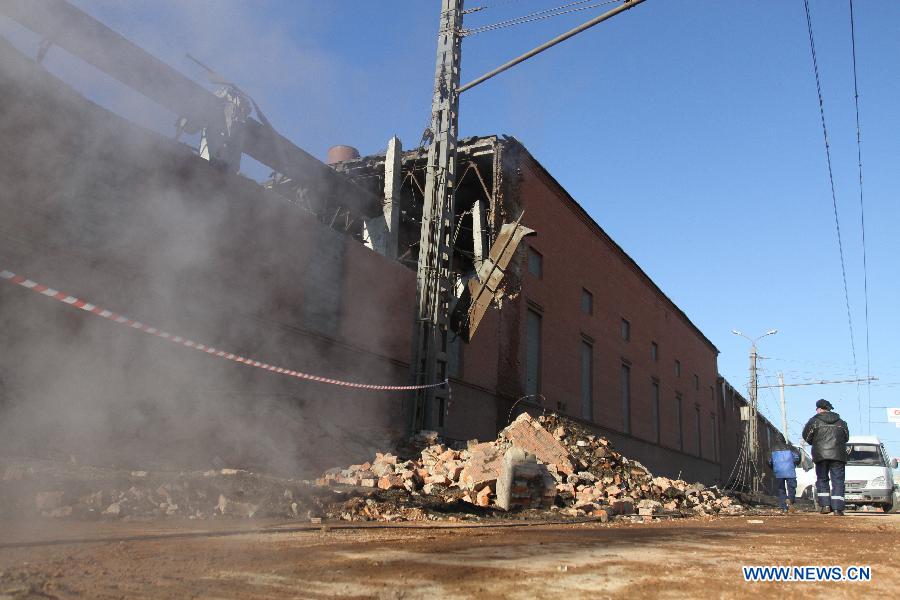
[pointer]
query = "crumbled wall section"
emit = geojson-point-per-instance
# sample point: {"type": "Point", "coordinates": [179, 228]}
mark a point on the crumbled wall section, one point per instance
{"type": "Point", "coordinates": [100, 208]}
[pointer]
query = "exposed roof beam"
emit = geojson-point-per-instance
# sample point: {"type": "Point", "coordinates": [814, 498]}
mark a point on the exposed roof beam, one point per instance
{"type": "Point", "coordinates": [80, 34]}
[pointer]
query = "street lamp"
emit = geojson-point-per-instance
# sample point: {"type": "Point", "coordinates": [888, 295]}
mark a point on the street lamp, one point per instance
{"type": "Point", "coordinates": [753, 445]}
{"type": "Point", "coordinates": [754, 340]}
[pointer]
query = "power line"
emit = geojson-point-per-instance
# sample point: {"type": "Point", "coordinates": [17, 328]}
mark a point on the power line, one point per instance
{"type": "Point", "coordinates": [492, 5]}
{"type": "Point", "coordinates": [540, 15]}
{"type": "Point", "coordinates": [862, 212]}
{"type": "Point", "coordinates": [837, 223]}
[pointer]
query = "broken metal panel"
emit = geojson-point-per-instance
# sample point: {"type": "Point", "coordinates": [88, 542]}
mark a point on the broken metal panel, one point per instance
{"type": "Point", "coordinates": [223, 145]}
{"type": "Point", "coordinates": [487, 287]}
{"type": "Point", "coordinates": [479, 233]}
{"type": "Point", "coordinates": [392, 172]}
{"type": "Point", "coordinates": [375, 234]}
{"type": "Point", "coordinates": [380, 233]}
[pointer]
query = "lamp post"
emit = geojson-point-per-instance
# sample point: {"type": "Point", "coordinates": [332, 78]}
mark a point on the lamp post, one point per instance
{"type": "Point", "coordinates": [752, 426]}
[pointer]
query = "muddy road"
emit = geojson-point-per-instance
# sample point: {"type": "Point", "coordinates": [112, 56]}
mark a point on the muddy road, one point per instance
{"type": "Point", "coordinates": [223, 559]}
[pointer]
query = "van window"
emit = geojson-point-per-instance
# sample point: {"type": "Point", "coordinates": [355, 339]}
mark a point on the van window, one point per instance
{"type": "Point", "coordinates": [864, 454]}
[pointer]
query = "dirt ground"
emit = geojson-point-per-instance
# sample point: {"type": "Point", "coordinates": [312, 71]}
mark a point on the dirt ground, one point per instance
{"type": "Point", "coordinates": [244, 559]}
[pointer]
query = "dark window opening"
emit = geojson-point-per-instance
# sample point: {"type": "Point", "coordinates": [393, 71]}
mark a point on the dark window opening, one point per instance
{"type": "Point", "coordinates": [626, 398]}
{"type": "Point", "coordinates": [587, 302]}
{"type": "Point", "coordinates": [679, 422]}
{"type": "Point", "coordinates": [587, 381]}
{"type": "Point", "coordinates": [654, 409]}
{"type": "Point", "coordinates": [699, 431]}
{"type": "Point", "coordinates": [533, 352]}
{"type": "Point", "coordinates": [535, 263]}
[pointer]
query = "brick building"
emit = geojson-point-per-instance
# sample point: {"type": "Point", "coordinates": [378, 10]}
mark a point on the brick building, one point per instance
{"type": "Point", "coordinates": [733, 431]}
{"type": "Point", "coordinates": [139, 222]}
{"type": "Point", "coordinates": [586, 331]}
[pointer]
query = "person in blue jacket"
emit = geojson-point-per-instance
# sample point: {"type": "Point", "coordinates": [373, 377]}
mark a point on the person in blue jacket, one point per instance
{"type": "Point", "coordinates": [783, 462]}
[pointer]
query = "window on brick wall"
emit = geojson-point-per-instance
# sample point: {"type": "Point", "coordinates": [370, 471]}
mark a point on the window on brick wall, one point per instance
{"type": "Point", "coordinates": [587, 380]}
{"type": "Point", "coordinates": [535, 263]}
{"type": "Point", "coordinates": [654, 351]}
{"type": "Point", "coordinates": [454, 355]}
{"type": "Point", "coordinates": [714, 428]}
{"type": "Point", "coordinates": [587, 302]}
{"type": "Point", "coordinates": [677, 368]}
{"type": "Point", "coordinates": [696, 382]}
{"type": "Point", "coordinates": [626, 330]}
{"type": "Point", "coordinates": [654, 409]}
{"type": "Point", "coordinates": [532, 352]}
{"type": "Point", "coordinates": [679, 422]}
{"type": "Point", "coordinates": [698, 426]}
{"type": "Point", "coordinates": [626, 397]}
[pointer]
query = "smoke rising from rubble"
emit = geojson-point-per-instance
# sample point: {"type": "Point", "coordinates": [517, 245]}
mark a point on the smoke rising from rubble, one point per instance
{"type": "Point", "coordinates": [131, 222]}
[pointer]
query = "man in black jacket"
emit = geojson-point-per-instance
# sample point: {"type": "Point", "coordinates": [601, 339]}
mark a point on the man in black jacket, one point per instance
{"type": "Point", "coordinates": [828, 434]}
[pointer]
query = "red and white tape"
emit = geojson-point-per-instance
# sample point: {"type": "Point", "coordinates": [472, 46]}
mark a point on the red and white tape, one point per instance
{"type": "Point", "coordinates": [188, 343]}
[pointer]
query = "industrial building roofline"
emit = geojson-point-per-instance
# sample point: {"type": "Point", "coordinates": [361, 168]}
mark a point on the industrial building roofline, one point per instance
{"type": "Point", "coordinates": [600, 232]}
{"type": "Point", "coordinates": [477, 145]}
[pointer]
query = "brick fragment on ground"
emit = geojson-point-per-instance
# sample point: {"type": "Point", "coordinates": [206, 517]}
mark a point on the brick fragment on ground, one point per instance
{"type": "Point", "coordinates": [483, 498]}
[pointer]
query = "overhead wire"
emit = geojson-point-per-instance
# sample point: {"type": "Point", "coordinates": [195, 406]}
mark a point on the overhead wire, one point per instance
{"type": "Point", "coordinates": [837, 223]}
{"type": "Point", "coordinates": [862, 212]}
{"type": "Point", "coordinates": [540, 15]}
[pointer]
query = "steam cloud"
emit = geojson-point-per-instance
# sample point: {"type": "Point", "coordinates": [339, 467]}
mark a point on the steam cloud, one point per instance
{"type": "Point", "coordinates": [102, 209]}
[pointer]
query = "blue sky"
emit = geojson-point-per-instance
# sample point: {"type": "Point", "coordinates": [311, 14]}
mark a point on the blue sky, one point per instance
{"type": "Point", "coordinates": [689, 130]}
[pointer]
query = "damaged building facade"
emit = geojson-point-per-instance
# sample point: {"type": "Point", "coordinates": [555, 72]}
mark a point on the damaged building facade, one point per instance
{"type": "Point", "coordinates": [313, 270]}
{"type": "Point", "coordinates": [581, 329]}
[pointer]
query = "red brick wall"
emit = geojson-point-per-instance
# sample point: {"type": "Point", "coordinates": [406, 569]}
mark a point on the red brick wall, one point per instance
{"type": "Point", "coordinates": [577, 255]}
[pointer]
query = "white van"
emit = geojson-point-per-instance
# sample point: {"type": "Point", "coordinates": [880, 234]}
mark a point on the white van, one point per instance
{"type": "Point", "coordinates": [869, 475]}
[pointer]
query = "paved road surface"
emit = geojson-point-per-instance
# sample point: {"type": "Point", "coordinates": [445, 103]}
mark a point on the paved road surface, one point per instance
{"type": "Point", "coordinates": [675, 559]}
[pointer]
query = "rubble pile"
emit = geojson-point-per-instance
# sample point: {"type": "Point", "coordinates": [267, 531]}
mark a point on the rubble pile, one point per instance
{"type": "Point", "coordinates": [542, 467]}
{"type": "Point", "coordinates": [543, 463]}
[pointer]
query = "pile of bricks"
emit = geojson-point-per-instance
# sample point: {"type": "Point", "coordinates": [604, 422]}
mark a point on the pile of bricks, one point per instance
{"type": "Point", "coordinates": [543, 463]}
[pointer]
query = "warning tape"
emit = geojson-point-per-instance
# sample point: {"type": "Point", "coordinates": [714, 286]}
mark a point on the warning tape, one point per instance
{"type": "Point", "coordinates": [188, 343]}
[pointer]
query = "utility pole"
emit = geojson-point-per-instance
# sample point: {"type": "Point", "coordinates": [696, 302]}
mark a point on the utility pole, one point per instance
{"type": "Point", "coordinates": [752, 425]}
{"type": "Point", "coordinates": [753, 430]}
{"type": "Point", "coordinates": [784, 427]}
{"type": "Point", "coordinates": [434, 289]}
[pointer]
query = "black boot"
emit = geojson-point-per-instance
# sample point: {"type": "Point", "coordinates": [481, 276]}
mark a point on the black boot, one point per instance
{"type": "Point", "coordinates": [839, 513]}
{"type": "Point", "coordinates": [825, 510]}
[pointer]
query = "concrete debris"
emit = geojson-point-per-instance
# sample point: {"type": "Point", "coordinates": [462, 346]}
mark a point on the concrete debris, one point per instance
{"type": "Point", "coordinates": [523, 483]}
{"type": "Point", "coordinates": [537, 464]}
{"type": "Point", "coordinates": [538, 468]}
